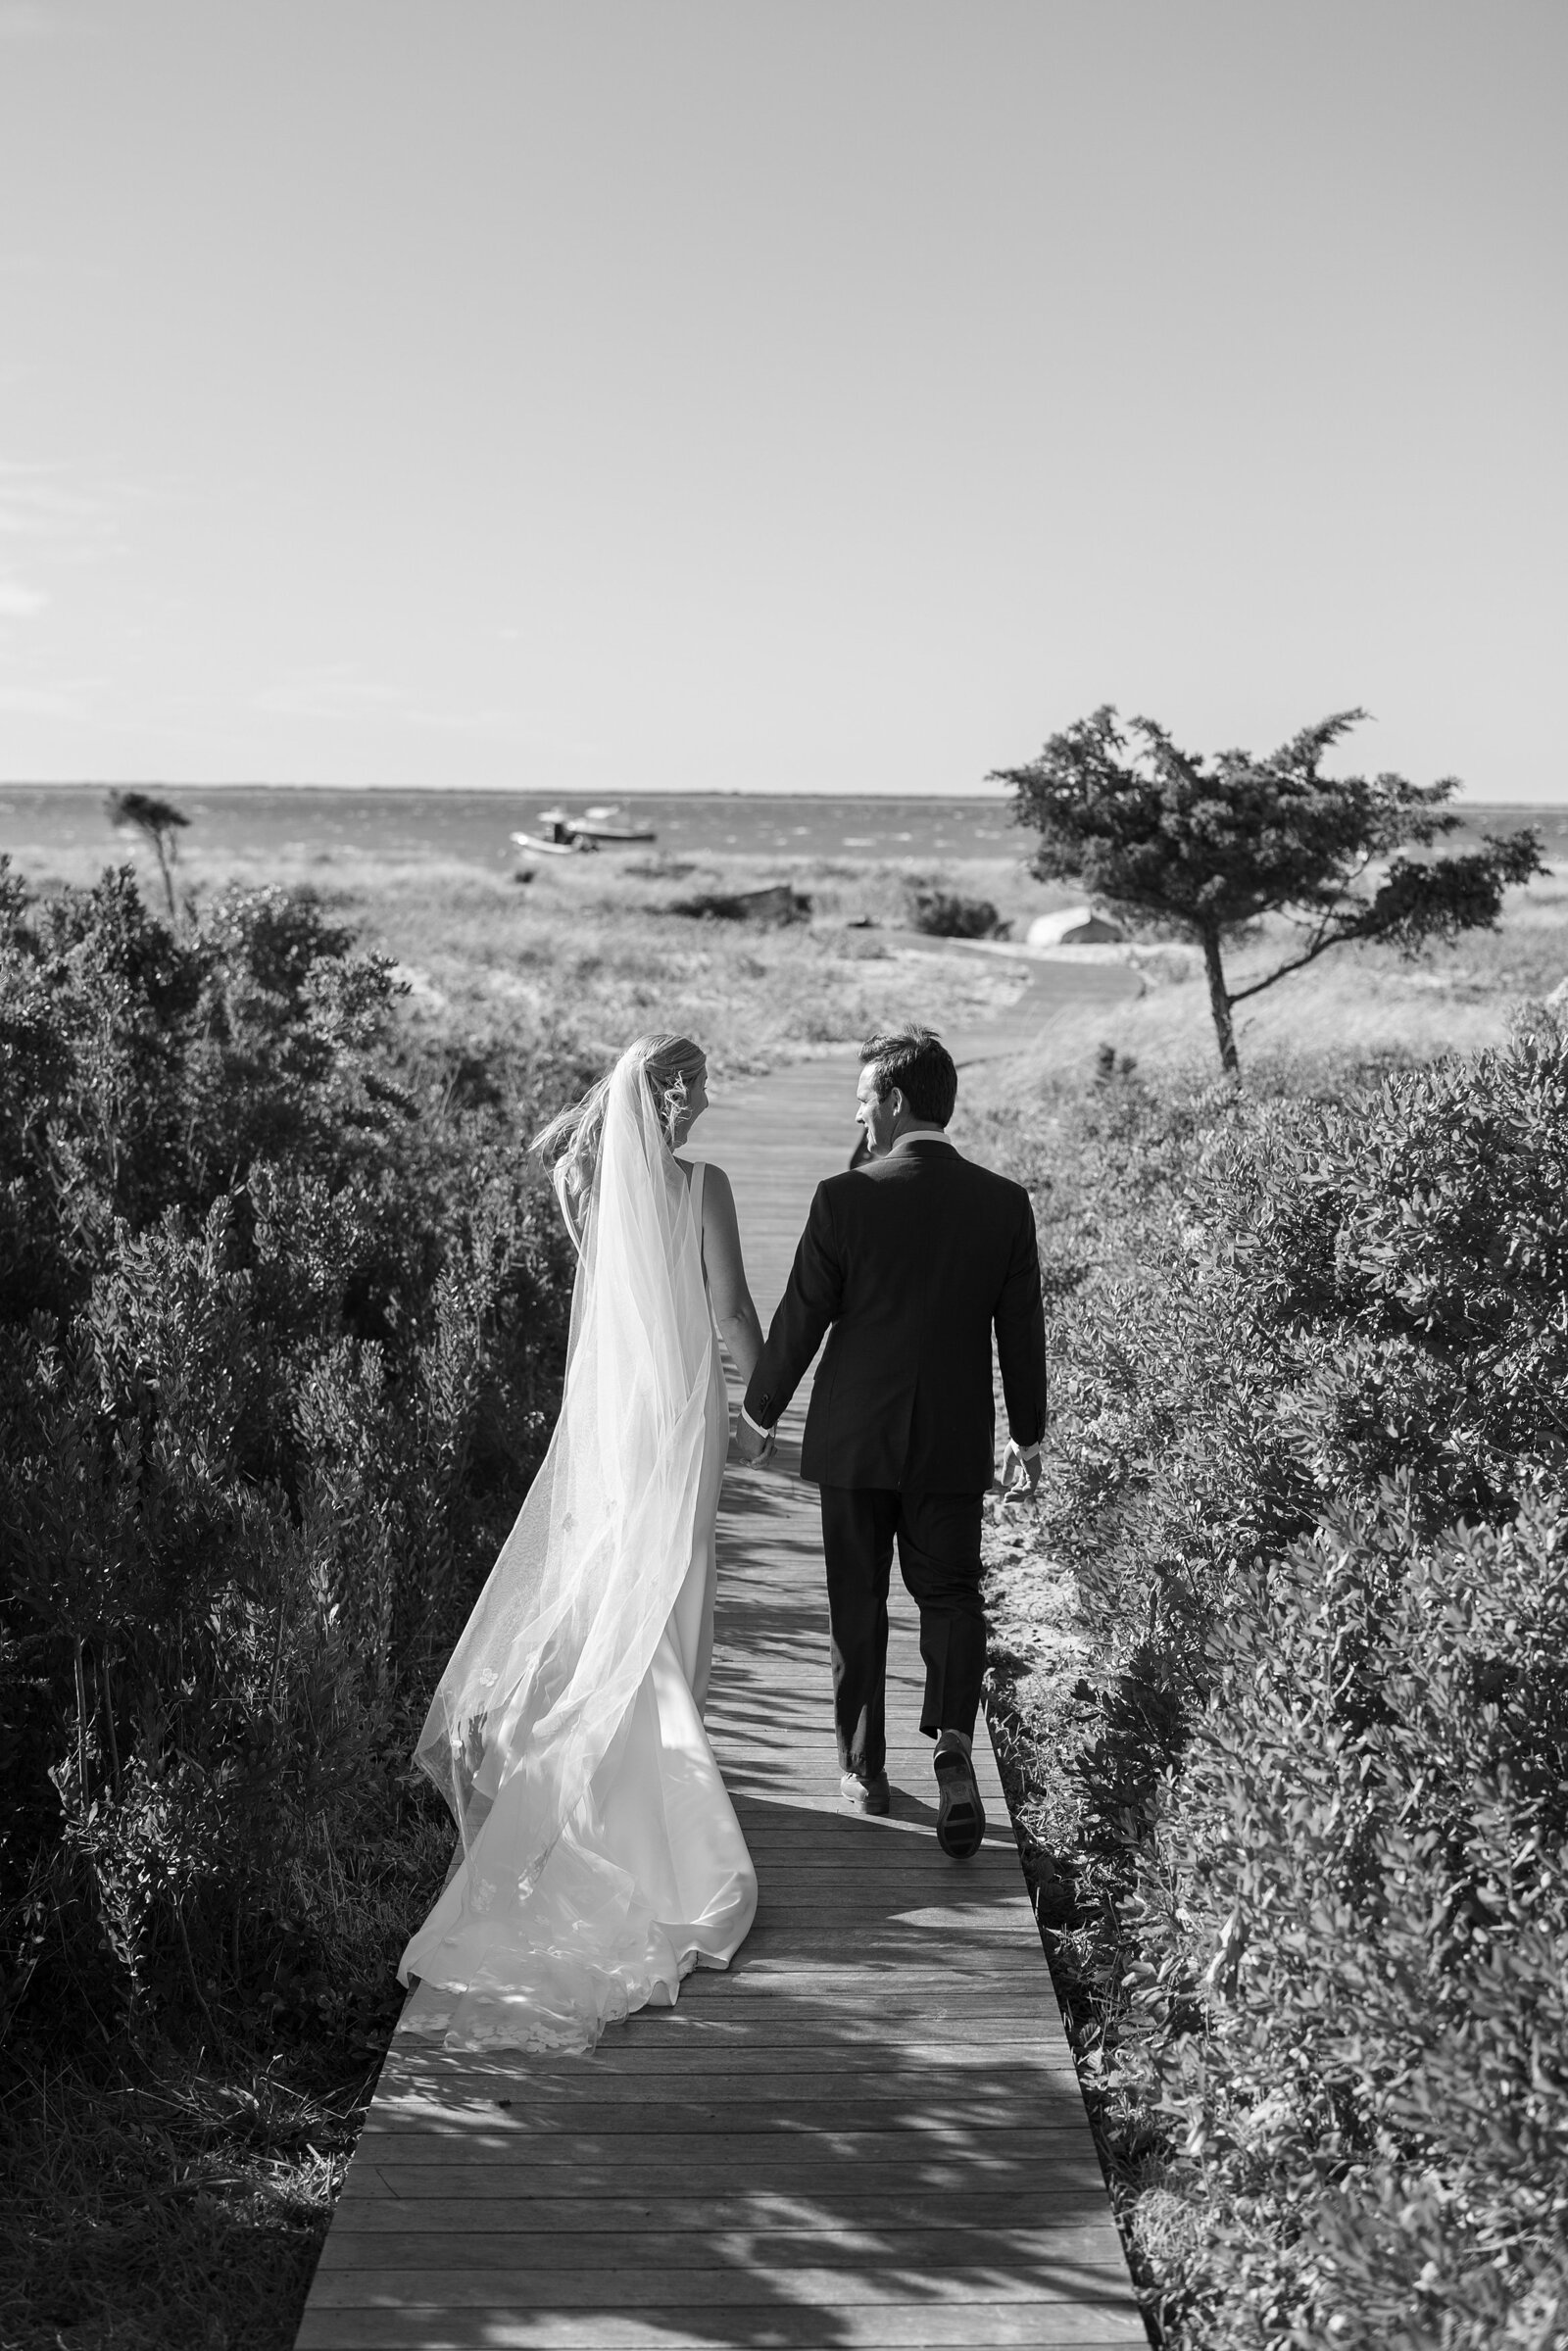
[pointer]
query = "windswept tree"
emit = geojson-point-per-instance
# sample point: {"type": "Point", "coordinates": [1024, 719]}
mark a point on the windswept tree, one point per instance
{"type": "Point", "coordinates": [1170, 840]}
{"type": "Point", "coordinates": [158, 821]}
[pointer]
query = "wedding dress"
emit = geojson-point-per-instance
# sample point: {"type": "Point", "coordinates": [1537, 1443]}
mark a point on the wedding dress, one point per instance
{"type": "Point", "coordinates": [600, 1857]}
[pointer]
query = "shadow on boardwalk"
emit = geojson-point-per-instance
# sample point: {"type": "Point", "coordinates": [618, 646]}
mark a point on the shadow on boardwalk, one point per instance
{"type": "Point", "coordinates": [861, 2181]}
{"type": "Point", "coordinates": [868, 2133]}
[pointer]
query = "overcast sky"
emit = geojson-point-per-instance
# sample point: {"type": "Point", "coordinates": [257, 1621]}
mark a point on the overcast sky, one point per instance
{"type": "Point", "coordinates": [787, 394]}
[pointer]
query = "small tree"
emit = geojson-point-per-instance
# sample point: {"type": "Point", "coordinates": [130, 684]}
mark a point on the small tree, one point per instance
{"type": "Point", "coordinates": [159, 822]}
{"type": "Point", "coordinates": [1208, 846]}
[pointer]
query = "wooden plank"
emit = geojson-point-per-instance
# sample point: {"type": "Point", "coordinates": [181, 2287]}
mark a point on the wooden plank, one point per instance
{"type": "Point", "coordinates": [693, 2055]}
{"type": "Point", "coordinates": [625, 2093]}
{"type": "Point", "coordinates": [606, 2290]}
{"type": "Point", "coordinates": [683, 2235]}
{"type": "Point", "coordinates": [851, 2040]}
{"type": "Point", "coordinates": [656, 2269]}
{"type": "Point", "coordinates": [678, 2209]}
{"type": "Point", "coordinates": [972, 2326]}
{"type": "Point", "coordinates": [868, 2132]}
{"type": "Point", "coordinates": [718, 2153]}
{"type": "Point", "coordinates": [773, 2167]}
{"type": "Point", "coordinates": [827, 2104]}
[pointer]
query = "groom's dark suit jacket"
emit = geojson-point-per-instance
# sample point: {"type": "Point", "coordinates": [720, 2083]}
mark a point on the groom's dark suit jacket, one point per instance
{"type": "Point", "coordinates": [912, 1259]}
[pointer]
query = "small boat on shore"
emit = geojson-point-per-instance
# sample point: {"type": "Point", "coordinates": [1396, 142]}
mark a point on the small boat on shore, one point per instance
{"type": "Point", "coordinates": [538, 846]}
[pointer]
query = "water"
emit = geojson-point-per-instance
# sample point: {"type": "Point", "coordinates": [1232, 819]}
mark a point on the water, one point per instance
{"type": "Point", "coordinates": [257, 821]}
{"type": "Point", "coordinates": [39, 825]}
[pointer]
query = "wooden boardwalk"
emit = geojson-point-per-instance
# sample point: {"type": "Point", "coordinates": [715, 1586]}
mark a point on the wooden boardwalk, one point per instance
{"type": "Point", "coordinates": [869, 2132]}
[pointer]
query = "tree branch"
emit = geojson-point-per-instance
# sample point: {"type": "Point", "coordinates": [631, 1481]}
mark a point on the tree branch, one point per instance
{"type": "Point", "coordinates": [1321, 948]}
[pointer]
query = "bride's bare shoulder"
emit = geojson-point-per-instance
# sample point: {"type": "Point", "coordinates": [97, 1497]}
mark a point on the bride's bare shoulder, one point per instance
{"type": "Point", "coordinates": [717, 1193]}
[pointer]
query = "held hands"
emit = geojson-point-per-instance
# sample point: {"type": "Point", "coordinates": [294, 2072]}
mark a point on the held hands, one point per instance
{"type": "Point", "coordinates": [752, 1444]}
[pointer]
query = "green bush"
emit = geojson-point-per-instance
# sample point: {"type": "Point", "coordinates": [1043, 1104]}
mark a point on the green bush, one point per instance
{"type": "Point", "coordinates": [1351, 1909]}
{"type": "Point", "coordinates": [947, 914]}
{"type": "Point", "coordinates": [282, 1326]}
{"type": "Point", "coordinates": [1320, 1294]}
{"type": "Point", "coordinates": [1310, 1355]}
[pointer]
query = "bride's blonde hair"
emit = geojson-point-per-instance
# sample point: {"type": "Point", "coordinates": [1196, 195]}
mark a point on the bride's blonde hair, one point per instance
{"type": "Point", "coordinates": [670, 1066]}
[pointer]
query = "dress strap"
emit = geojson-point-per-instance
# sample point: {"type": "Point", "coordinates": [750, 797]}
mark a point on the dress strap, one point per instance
{"type": "Point", "coordinates": [558, 1176]}
{"type": "Point", "coordinates": [699, 1168]}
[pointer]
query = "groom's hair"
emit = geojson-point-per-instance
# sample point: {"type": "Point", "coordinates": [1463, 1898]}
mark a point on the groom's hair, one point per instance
{"type": "Point", "coordinates": [919, 1064]}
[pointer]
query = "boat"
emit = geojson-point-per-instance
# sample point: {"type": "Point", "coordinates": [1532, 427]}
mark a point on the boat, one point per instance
{"type": "Point", "coordinates": [608, 822]}
{"type": "Point", "coordinates": [597, 825]}
{"type": "Point", "coordinates": [538, 846]}
{"type": "Point", "coordinates": [587, 830]}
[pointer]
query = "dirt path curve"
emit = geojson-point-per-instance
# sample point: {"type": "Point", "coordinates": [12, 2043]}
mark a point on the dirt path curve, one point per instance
{"type": "Point", "coordinates": [869, 2132]}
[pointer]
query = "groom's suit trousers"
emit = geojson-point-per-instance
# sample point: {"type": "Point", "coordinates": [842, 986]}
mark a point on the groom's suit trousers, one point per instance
{"type": "Point", "coordinates": [909, 1265]}
{"type": "Point", "coordinates": [938, 1537]}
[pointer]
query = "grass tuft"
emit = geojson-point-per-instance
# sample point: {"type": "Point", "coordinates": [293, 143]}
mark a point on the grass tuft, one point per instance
{"type": "Point", "coordinates": [177, 2205]}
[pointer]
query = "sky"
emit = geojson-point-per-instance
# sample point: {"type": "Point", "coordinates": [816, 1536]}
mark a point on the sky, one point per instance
{"type": "Point", "coordinates": [787, 395]}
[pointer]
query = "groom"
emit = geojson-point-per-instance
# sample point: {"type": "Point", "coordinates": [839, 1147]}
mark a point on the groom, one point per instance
{"type": "Point", "coordinates": [910, 1258]}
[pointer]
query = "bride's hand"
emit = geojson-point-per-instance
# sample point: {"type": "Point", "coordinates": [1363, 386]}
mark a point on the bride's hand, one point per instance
{"type": "Point", "coordinates": [754, 1447]}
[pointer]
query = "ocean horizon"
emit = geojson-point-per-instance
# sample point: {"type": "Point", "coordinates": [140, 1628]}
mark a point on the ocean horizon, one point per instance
{"type": "Point", "coordinates": [46, 823]}
{"type": "Point", "coordinates": [61, 821]}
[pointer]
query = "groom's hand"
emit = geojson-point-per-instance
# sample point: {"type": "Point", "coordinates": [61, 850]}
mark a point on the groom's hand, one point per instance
{"type": "Point", "coordinates": [1018, 1466]}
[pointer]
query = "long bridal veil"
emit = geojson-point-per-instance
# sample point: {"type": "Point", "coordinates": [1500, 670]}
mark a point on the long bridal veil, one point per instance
{"type": "Point", "coordinates": [567, 1624]}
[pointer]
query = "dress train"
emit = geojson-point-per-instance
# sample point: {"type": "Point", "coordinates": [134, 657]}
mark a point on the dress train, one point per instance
{"type": "Point", "coordinates": [649, 1878]}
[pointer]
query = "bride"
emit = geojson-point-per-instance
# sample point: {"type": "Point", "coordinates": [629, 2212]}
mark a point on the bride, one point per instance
{"type": "Point", "coordinates": [599, 1856]}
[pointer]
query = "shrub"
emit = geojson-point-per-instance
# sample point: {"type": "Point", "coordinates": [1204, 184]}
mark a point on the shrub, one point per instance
{"type": "Point", "coordinates": [1350, 1917]}
{"type": "Point", "coordinates": [777, 902]}
{"type": "Point", "coordinates": [1325, 1294]}
{"type": "Point", "coordinates": [1310, 1358]}
{"type": "Point", "coordinates": [281, 1337]}
{"type": "Point", "coordinates": [945, 914]}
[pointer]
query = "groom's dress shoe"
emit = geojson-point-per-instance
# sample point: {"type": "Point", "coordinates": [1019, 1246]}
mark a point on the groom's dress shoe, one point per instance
{"type": "Point", "coordinates": [960, 1822]}
{"type": "Point", "coordinates": [865, 1795]}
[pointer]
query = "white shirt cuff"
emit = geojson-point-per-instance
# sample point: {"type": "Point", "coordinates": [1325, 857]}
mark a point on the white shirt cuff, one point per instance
{"type": "Point", "coordinates": [754, 1424]}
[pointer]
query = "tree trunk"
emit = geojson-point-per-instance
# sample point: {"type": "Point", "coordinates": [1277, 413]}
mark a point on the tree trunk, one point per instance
{"type": "Point", "coordinates": [1220, 1004]}
{"type": "Point", "coordinates": [165, 855]}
